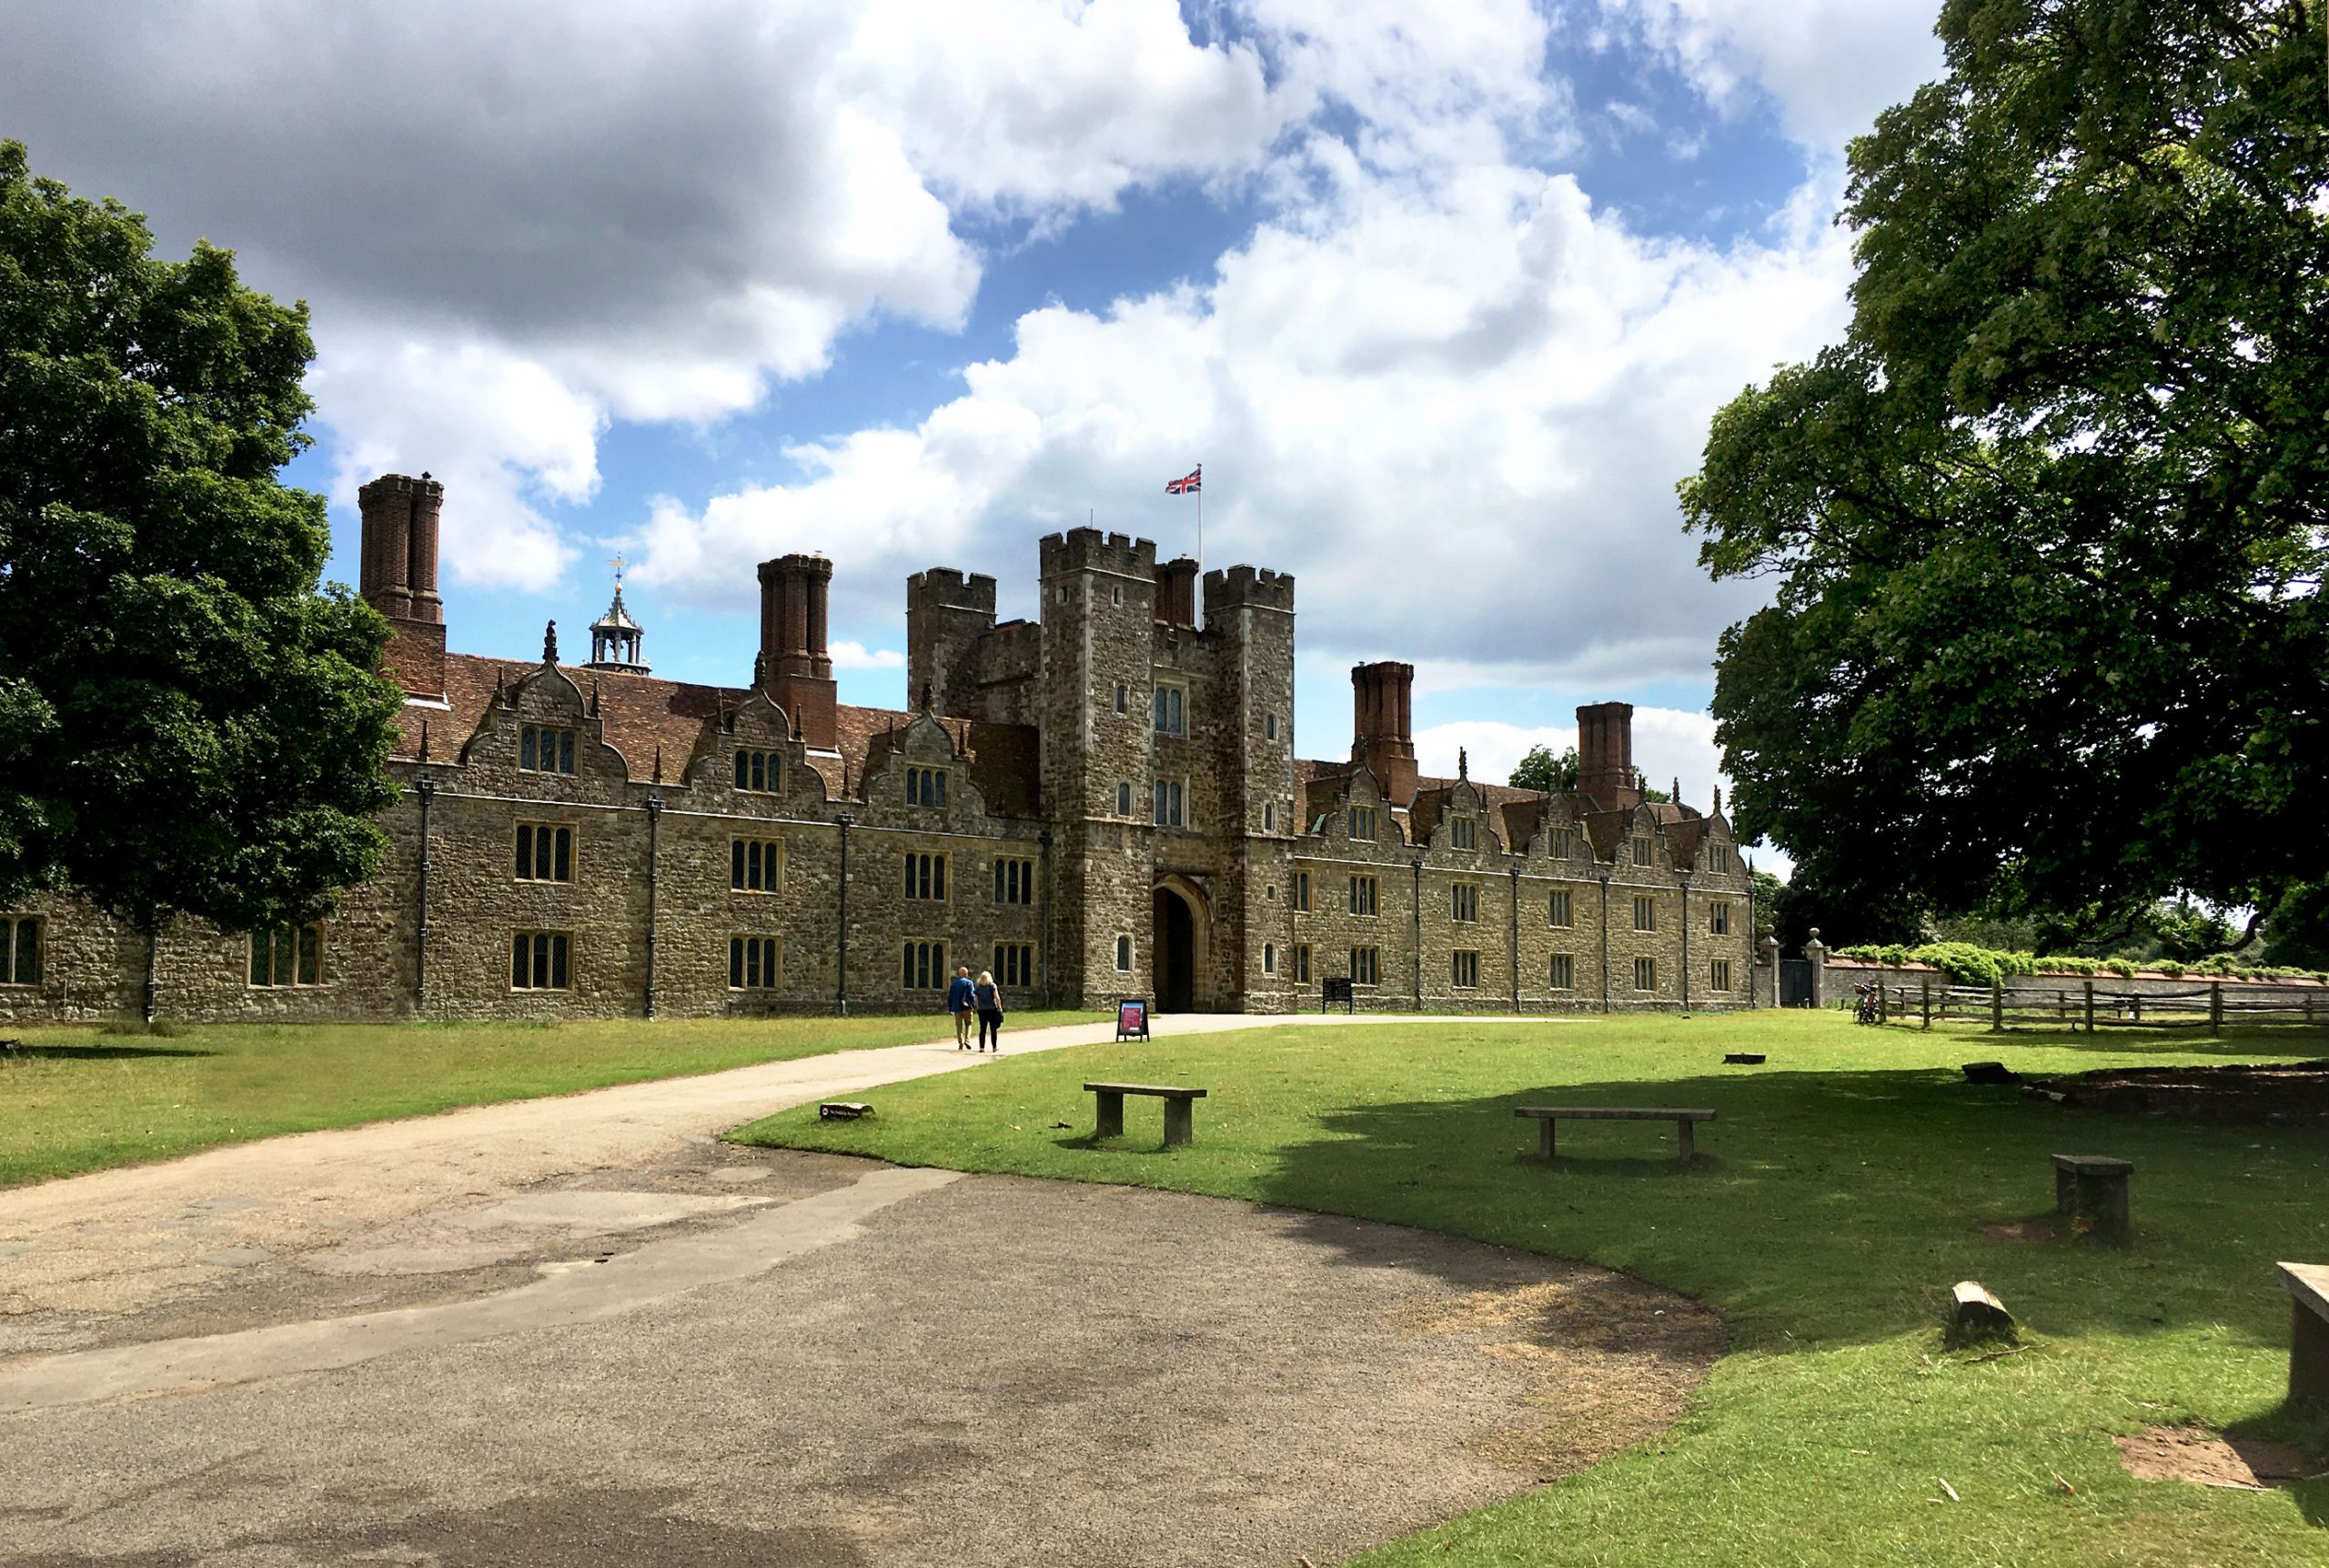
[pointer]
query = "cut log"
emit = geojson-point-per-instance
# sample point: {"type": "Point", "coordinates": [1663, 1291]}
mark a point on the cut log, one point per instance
{"type": "Point", "coordinates": [1977, 1317]}
{"type": "Point", "coordinates": [1744, 1058]}
{"type": "Point", "coordinates": [1990, 1072]}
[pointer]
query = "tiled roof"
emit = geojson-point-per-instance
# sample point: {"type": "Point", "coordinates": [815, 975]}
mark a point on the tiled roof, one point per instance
{"type": "Point", "coordinates": [644, 716]}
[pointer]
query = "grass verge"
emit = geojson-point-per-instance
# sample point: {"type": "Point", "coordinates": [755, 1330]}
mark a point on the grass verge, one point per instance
{"type": "Point", "coordinates": [85, 1098]}
{"type": "Point", "coordinates": [1844, 1187]}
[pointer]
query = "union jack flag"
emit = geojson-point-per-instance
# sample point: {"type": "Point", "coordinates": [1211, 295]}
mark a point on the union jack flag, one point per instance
{"type": "Point", "coordinates": [1188, 485]}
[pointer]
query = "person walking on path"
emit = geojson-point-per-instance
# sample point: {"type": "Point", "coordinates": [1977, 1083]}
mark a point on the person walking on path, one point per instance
{"type": "Point", "coordinates": [962, 1001]}
{"type": "Point", "coordinates": [990, 1001]}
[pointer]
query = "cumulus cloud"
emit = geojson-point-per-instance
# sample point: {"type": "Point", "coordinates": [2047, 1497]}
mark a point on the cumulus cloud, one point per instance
{"type": "Point", "coordinates": [534, 220]}
{"type": "Point", "coordinates": [1482, 385]}
{"type": "Point", "coordinates": [857, 656]}
{"type": "Point", "coordinates": [1828, 66]}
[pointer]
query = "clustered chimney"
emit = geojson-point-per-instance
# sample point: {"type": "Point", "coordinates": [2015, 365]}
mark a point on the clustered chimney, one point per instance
{"type": "Point", "coordinates": [1605, 755]}
{"type": "Point", "coordinates": [795, 670]}
{"type": "Point", "coordinates": [397, 576]}
{"type": "Point", "coordinates": [1383, 726]}
{"type": "Point", "coordinates": [1176, 592]}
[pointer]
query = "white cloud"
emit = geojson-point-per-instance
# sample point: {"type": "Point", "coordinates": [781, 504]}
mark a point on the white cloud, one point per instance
{"type": "Point", "coordinates": [518, 223]}
{"type": "Point", "coordinates": [1456, 413]}
{"type": "Point", "coordinates": [857, 656]}
{"type": "Point", "coordinates": [1830, 66]}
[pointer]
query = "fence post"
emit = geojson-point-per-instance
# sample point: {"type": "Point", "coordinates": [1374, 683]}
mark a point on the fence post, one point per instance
{"type": "Point", "coordinates": [2215, 1007]}
{"type": "Point", "coordinates": [1925, 990]}
{"type": "Point", "coordinates": [1997, 1007]}
{"type": "Point", "coordinates": [2090, 1006]}
{"type": "Point", "coordinates": [1883, 1000]}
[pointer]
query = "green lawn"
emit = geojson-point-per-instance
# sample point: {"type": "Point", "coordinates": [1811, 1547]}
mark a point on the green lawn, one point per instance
{"type": "Point", "coordinates": [87, 1098]}
{"type": "Point", "coordinates": [1838, 1197]}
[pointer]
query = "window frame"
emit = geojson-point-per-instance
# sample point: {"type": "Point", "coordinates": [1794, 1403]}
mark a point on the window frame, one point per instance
{"type": "Point", "coordinates": [1373, 965]}
{"type": "Point", "coordinates": [1168, 702]}
{"type": "Point", "coordinates": [748, 858]}
{"type": "Point", "coordinates": [530, 739]}
{"type": "Point", "coordinates": [1464, 969]}
{"type": "Point", "coordinates": [1124, 953]}
{"type": "Point", "coordinates": [561, 835]}
{"type": "Point", "coordinates": [12, 945]}
{"type": "Point", "coordinates": [1169, 801]}
{"type": "Point", "coordinates": [1644, 853]}
{"type": "Point", "coordinates": [750, 952]}
{"type": "Point", "coordinates": [1646, 912]}
{"type": "Point", "coordinates": [924, 955]}
{"type": "Point", "coordinates": [1464, 903]}
{"type": "Point", "coordinates": [1464, 832]}
{"type": "Point", "coordinates": [1560, 909]}
{"type": "Point", "coordinates": [1014, 882]}
{"type": "Point", "coordinates": [1371, 886]}
{"type": "Point", "coordinates": [1015, 965]}
{"type": "Point", "coordinates": [1301, 892]}
{"type": "Point", "coordinates": [1560, 971]}
{"type": "Point", "coordinates": [926, 875]}
{"type": "Point", "coordinates": [1302, 958]}
{"type": "Point", "coordinates": [768, 764]}
{"type": "Point", "coordinates": [1719, 975]}
{"type": "Point", "coordinates": [1645, 965]}
{"type": "Point", "coordinates": [1357, 814]}
{"type": "Point", "coordinates": [303, 937]}
{"type": "Point", "coordinates": [551, 954]}
{"type": "Point", "coordinates": [926, 785]}
{"type": "Point", "coordinates": [1718, 916]}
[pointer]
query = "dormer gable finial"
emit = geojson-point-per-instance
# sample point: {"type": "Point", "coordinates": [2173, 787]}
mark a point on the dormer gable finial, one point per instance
{"type": "Point", "coordinates": [549, 642]}
{"type": "Point", "coordinates": [1463, 765]}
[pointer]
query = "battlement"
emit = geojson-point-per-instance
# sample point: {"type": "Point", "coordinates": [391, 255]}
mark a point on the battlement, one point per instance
{"type": "Point", "coordinates": [1089, 550]}
{"type": "Point", "coordinates": [1242, 584]}
{"type": "Point", "coordinates": [945, 587]}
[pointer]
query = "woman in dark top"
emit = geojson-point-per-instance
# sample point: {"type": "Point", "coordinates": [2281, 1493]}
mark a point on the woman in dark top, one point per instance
{"type": "Point", "coordinates": [990, 1002]}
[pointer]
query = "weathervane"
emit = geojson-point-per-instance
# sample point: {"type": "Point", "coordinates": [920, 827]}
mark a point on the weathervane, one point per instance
{"type": "Point", "coordinates": [617, 563]}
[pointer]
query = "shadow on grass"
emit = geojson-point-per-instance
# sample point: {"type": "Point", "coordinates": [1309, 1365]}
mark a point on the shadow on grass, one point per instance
{"type": "Point", "coordinates": [1831, 1207]}
{"type": "Point", "coordinates": [38, 1052]}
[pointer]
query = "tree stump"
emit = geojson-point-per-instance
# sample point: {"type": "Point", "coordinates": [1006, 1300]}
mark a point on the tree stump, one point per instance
{"type": "Point", "coordinates": [1977, 1317]}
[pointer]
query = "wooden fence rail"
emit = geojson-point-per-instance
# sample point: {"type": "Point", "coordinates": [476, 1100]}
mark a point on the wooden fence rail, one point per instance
{"type": "Point", "coordinates": [2088, 1008]}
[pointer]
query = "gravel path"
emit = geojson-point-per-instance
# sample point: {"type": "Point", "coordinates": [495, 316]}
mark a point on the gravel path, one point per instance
{"type": "Point", "coordinates": [582, 1331]}
{"type": "Point", "coordinates": [125, 1240]}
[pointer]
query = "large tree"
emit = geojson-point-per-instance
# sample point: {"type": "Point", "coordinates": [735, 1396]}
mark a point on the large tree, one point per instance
{"type": "Point", "coordinates": [186, 722]}
{"type": "Point", "coordinates": [2047, 527]}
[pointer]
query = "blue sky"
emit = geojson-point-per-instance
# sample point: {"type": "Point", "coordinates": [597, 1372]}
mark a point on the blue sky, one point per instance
{"type": "Point", "coordinates": [1442, 296]}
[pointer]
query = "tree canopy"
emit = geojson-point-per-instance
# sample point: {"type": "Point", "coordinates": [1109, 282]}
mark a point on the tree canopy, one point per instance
{"type": "Point", "coordinates": [2047, 527]}
{"type": "Point", "coordinates": [1542, 768]}
{"type": "Point", "coordinates": [186, 722]}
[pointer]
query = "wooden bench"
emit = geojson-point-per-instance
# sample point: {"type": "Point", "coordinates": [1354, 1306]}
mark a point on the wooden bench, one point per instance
{"type": "Point", "coordinates": [1180, 1121]}
{"type": "Point", "coordinates": [2094, 1187]}
{"type": "Point", "coordinates": [1547, 1115]}
{"type": "Point", "coordinates": [2308, 1287]}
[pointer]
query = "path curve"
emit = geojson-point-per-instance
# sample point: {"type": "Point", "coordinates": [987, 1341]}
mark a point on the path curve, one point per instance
{"type": "Point", "coordinates": [123, 1241]}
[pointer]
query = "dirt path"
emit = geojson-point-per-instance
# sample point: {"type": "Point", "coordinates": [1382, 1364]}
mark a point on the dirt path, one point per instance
{"type": "Point", "coordinates": [76, 1252]}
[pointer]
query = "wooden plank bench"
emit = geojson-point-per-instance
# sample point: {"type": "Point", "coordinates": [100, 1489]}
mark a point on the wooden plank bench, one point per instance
{"type": "Point", "coordinates": [1684, 1122]}
{"type": "Point", "coordinates": [2308, 1287]}
{"type": "Point", "coordinates": [1180, 1121]}
{"type": "Point", "coordinates": [2093, 1188]}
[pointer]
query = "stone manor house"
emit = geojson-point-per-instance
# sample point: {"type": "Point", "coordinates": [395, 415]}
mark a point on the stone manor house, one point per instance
{"type": "Point", "coordinates": [1104, 802]}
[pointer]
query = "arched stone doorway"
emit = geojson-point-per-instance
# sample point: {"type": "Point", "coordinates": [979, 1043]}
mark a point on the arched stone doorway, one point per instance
{"type": "Point", "coordinates": [1179, 940]}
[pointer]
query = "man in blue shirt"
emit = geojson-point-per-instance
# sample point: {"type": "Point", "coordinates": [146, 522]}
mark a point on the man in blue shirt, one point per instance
{"type": "Point", "coordinates": [962, 1001]}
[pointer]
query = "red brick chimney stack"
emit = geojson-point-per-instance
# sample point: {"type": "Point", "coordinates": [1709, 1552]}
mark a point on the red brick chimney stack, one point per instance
{"type": "Point", "coordinates": [1383, 726]}
{"type": "Point", "coordinates": [795, 669]}
{"type": "Point", "coordinates": [397, 575]}
{"type": "Point", "coordinates": [1605, 755]}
